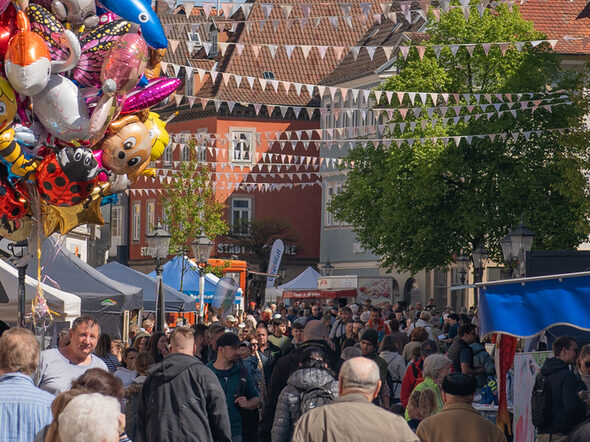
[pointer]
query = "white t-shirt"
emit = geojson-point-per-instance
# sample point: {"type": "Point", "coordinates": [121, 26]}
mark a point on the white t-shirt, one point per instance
{"type": "Point", "coordinates": [56, 373]}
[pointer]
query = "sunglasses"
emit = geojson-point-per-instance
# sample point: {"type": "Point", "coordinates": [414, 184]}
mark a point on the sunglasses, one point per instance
{"type": "Point", "coordinates": [587, 364]}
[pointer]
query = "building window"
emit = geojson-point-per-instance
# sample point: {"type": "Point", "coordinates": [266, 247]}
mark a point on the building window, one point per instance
{"type": "Point", "coordinates": [440, 287]}
{"type": "Point", "coordinates": [150, 219]}
{"type": "Point", "coordinates": [332, 190]}
{"type": "Point", "coordinates": [241, 215]}
{"type": "Point", "coordinates": [268, 75]}
{"type": "Point", "coordinates": [196, 37]}
{"type": "Point", "coordinates": [136, 221]}
{"type": "Point", "coordinates": [213, 38]}
{"type": "Point", "coordinates": [116, 222]}
{"type": "Point", "coordinates": [328, 217]}
{"type": "Point", "coordinates": [202, 146]}
{"type": "Point", "coordinates": [242, 146]}
{"type": "Point", "coordinates": [186, 153]}
{"type": "Point", "coordinates": [168, 156]}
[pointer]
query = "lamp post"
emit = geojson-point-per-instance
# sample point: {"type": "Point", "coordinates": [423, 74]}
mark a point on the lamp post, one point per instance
{"type": "Point", "coordinates": [159, 244]}
{"type": "Point", "coordinates": [327, 269]}
{"type": "Point", "coordinates": [18, 250]}
{"type": "Point", "coordinates": [202, 247]}
{"type": "Point", "coordinates": [479, 256]}
{"type": "Point", "coordinates": [516, 245]}
{"type": "Point", "coordinates": [463, 270]}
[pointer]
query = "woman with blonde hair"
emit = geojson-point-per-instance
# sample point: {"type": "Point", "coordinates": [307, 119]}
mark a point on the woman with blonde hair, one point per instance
{"type": "Point", "coordinates": [421, 405]}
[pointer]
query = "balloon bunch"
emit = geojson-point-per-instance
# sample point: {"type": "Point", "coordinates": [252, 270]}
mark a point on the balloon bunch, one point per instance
{"type": "Point", "coordinates": [78, 79]}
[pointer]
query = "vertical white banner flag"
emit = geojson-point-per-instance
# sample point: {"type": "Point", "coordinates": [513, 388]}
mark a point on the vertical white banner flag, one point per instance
{"type": "Point", "coordinates": [274, 262]}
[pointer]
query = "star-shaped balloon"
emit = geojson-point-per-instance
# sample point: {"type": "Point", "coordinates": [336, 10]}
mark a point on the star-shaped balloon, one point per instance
{"type": "Point", "coordinates": [60, 219]}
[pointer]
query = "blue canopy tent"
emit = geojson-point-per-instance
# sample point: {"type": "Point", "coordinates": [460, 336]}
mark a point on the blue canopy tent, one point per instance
{"type": "Point", "coordinates": [527, 306]}
{"type": "Point", "coordinates": [175, 301]}
{"type": "Point", "coordinates": [172, 276]}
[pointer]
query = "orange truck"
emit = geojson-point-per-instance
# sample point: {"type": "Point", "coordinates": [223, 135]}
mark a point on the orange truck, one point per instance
{"type": "Point", "coordinates": [233, 268]}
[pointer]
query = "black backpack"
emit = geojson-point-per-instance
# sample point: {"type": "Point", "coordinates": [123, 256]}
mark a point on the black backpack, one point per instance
{"type": "Point", "coordinates": [541, 401]}
{"type": "Point", "coordinates": [315, 397]}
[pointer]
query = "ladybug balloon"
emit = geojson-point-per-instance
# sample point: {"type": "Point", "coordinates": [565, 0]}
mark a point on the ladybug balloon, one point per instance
{"type": "Point", "coordinates": [14, 203]}
{"type": "Point", "coordinates": [68, 177]}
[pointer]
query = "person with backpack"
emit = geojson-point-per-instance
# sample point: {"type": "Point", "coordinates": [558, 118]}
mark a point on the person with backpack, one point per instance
{"type": "Point", "coordinates": [353, 416]}
{"type": "Point", "coordinates": [556, 406]}
{"type": "Point", "coordinates": [396, 367]}
{"type": "Point", "coordinates": [311, 386]}
{"type": "Point", "coordinates": [413, 374]}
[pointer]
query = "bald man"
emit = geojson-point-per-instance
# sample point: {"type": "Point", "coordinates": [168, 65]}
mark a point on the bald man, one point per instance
{"type": "Point", "coordinates": [314, 336]}
{"type": "Point", "coordinates": [182, 379]}
{"type": "Point", "coordinates": [352, 416]}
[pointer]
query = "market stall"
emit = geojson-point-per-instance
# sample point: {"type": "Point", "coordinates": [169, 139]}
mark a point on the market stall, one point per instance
{"type": "Point", "coordinates": [175, 301]}
{"type": "Point", "coordinates": [65, 307]}
{"type": "Point", "coordinates": [101, 297]}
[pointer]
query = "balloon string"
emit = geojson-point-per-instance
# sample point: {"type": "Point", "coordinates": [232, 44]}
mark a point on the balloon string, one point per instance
{"type": "Point", "coordinates": [39, 305]}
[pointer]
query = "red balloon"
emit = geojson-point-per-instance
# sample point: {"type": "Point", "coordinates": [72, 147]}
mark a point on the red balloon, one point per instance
{"type": "Point", "coordinates": [14, 203]}
{"type": "Point", "coordinates": [67, 178]}
{"type": "Point", "coordinates": [7, 28]}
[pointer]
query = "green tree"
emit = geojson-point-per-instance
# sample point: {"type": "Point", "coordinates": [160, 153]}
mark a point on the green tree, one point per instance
{"type": "Point", "coordinates": [190, 206]}
{"type": "Point", "coordinates": [418, 204]}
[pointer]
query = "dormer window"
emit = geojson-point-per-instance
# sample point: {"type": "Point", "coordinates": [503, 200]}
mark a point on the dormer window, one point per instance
{"type": "Point", "coordinates": [268, 75]}
{"type": "Point", "coordinates": [213, 37]}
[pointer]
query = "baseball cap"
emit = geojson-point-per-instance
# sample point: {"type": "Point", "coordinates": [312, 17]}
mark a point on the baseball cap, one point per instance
{"type": "Point", "coordinates": [231, 318]}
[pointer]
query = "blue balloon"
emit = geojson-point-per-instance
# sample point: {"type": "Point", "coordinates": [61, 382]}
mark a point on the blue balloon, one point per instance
{"type": "Point", "coordinates": [140, 12]}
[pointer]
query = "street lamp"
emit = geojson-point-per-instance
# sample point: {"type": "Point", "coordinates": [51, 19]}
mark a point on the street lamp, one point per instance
{"type": "Point", "coordinates": [202, 247]}
{"type": "Point", "coordinates": [516, 245]}
{"type": "Point", "coordinates": [463, 262]}
{"type": "Point", "coordinates": [479, 256]}
{"type": "Point", "coordinates": [327, 269]}
{"type": "Point", "coordinates": [159, 244]}
{"type": "Point", "coordinates": [19, 250]}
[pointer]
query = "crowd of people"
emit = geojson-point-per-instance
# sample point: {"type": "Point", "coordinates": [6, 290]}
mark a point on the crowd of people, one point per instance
{"type": "Point", "coordinates": [306, 372]}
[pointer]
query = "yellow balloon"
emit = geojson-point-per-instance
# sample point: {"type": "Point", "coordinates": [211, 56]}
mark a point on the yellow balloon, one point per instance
{"type": "Point", "coordinates": [7, 104]}
{"type": "Point", "coordinates": [62, 219]}
{"type": "Point", "coordinates": [158, 134]}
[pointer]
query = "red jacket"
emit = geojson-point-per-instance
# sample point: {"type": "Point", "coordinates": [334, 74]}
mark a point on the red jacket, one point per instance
{"type": "Point", "coordinates": [412, 378]}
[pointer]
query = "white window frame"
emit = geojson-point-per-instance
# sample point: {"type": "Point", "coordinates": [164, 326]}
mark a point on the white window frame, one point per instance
{"type": "Point", "coordinates": [196, 37]}
{"type": "Point", "coordinates": [150, 216]}
{"type": "Point", "coordinates": [237, 155]}
{"type": "Point", "coordinates": [247, 211]}
{"type": "Point", "coordinates": [116, 222]}
{"type": "Point", "coordinates": [202, 147]}
{"type": "Point", "coordinates": [167, 156]}
{"type": "Point", "coordinates": [136, 217]}
{"type": "Point", "coordinates": [328, 217]}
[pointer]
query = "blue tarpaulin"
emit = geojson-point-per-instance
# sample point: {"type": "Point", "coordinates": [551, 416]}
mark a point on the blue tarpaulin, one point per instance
{"type": "Point", "coordinates": [174, 300]}
{"type": "Point", "coordinates": [172, 276]}
{"type": "Point", "coordinates": [525, 307]}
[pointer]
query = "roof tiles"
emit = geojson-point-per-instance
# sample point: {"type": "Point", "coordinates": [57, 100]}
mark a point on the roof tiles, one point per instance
{"type": "Point", "coordinates": [558, 18]}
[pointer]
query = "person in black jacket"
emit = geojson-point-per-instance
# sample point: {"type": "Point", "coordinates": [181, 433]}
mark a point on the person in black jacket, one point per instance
{"type": "Point", "coordinates": [182, 399]}
{"type": "Point", "coordinates": [314, 335]}
{"type": "Point", "coordinates": [461, 354]}
{"type": "Point", "coordinates": [567, 408]}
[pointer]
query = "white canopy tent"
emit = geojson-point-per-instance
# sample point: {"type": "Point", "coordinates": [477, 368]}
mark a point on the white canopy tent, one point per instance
{"type": "Point", "coordinates": [66, 305]}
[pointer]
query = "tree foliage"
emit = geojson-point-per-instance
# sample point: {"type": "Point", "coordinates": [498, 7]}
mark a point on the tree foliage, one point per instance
{"type": "Point", "coordinates": [259, 235]}
{"type": "Point", "coordinates": [190, 206]}
{"type": "Point", "coordinates": [418, 204]}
